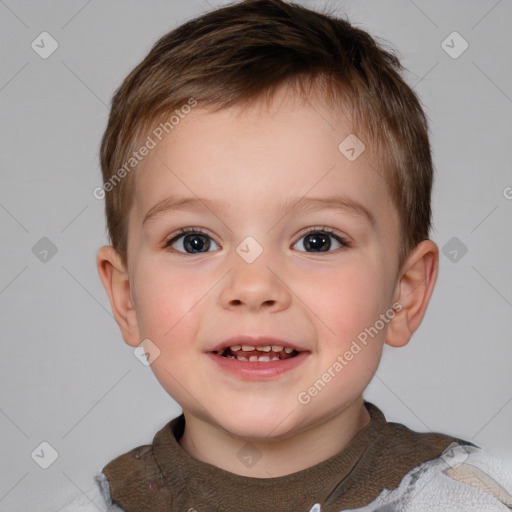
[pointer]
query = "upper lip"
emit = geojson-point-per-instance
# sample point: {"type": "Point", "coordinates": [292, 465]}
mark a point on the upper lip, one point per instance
{"type": "Point", "coordinates": [255, 341]}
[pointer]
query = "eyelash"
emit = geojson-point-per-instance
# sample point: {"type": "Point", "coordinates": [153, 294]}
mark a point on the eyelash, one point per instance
{"type": "Point", "coordinates": [186, 231]}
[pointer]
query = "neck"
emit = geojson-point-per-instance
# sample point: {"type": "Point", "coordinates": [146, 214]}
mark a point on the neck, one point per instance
{"type": "Point", "coordinates": [210, 444]}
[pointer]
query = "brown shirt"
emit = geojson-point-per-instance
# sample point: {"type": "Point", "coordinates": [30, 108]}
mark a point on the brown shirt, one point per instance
{"type": "Point", "coordinates": [164, 477]}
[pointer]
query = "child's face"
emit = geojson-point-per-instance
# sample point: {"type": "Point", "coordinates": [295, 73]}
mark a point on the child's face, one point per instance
{"type": "Point", "coordinates": [247, 172]}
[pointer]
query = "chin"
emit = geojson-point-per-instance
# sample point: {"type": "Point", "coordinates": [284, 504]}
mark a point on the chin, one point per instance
{"type": "Point", "coordinates": [258, 425]}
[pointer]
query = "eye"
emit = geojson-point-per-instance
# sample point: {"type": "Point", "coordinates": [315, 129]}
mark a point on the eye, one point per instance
{"type": "Point", "coordinates": [319, 239]}
{"type": "Point", "coordinates": [192, 240]}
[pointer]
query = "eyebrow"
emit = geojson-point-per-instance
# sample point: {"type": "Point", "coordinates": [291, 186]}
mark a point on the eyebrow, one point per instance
{"type": "Point", "coordinates": [294, 205]}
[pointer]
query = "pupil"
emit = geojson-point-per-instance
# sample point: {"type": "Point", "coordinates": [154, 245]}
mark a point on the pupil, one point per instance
{"type": "Point", "coordinates": [196, 242]}
{"type": "Point", "coordinates": [317, 240]}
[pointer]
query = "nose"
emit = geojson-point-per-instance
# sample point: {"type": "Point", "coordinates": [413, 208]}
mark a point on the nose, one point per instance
{"type": "Point", "coordinates": [255, 287]}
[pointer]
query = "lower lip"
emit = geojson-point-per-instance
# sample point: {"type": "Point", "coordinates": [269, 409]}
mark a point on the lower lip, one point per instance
{"type": "Point", "coordinates": [258, 370]}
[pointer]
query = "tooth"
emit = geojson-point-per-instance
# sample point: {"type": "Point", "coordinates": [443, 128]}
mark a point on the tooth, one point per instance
{"type": "Point", "coordinates": [265, 348]}
{"type": "Point", "coordinates": [241, 358]}
{"type": "Point", "coordinates": [264, 358]}
{"type": "Point", "coordinates": [275, 359]}
{"type": "Point", "coordinates": [253, 358]}
{"type": "Point", "coordinates": [247, 348]}
{"type": "Point", "coordinates": [288, 350]}
{"type": "Point", "coordinates": [277, 348]}
{"type": "Point", "coordinates": [234, 348]}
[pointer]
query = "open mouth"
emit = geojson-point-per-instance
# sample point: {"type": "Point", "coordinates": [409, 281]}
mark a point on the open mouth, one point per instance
{"type": "Point", "coordinates": [262, 353]}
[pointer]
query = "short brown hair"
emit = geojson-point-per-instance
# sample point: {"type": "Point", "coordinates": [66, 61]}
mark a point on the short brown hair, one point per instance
{"type": "Point", "coordinates": [244, 52]}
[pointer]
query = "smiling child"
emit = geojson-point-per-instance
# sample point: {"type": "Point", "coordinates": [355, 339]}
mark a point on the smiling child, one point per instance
{"type": "Point", "coordinates": [267, 176]}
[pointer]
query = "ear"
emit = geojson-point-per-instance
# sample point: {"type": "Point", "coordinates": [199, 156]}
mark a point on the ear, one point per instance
{"type": "Point", "coordinates": [114, 276]}
{"type": "Point", "coordinates": [413, 291]}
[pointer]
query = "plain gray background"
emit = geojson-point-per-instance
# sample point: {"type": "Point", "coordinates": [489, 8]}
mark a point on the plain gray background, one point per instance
{"type": "Point", "coordinates": [68, 379]}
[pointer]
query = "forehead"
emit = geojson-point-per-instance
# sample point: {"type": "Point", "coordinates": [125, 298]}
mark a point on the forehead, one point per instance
{"type": "Point", "coordinates": [262, 156]}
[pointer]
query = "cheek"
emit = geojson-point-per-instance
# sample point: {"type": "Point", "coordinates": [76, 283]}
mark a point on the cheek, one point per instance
{"type": "Point", "coordinates": [168, 303]}
{"type": "Point", "coordinates": [170, 306]}
{"type": "Point", "coordinates": [348, 300]}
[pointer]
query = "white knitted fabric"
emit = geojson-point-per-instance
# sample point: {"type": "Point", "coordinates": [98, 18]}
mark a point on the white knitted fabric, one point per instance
{"type": "Point", "coordinates": [462, 479]}
{"type": "Point", "coordinates": [96, 499]}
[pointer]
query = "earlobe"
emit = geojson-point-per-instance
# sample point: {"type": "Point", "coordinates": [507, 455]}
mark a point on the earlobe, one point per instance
{"type": "Point", "coordinates": [114, 276]}
{"type": "Point", "coordinates": [414, 289]}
